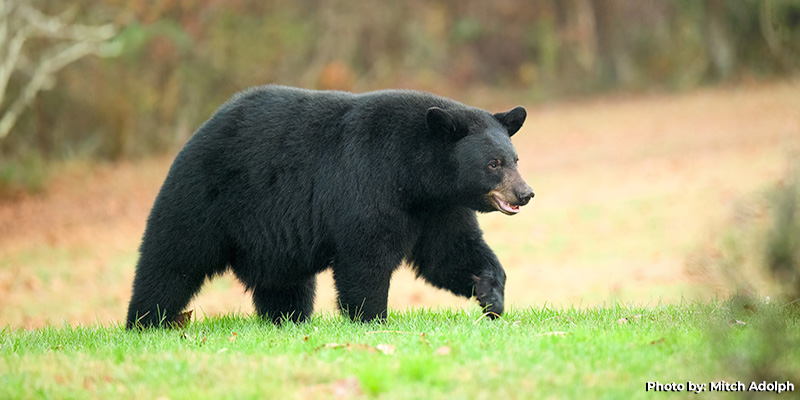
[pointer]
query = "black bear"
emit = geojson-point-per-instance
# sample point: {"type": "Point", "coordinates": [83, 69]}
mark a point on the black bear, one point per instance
{"type": "Point", "coordinates": [283, 183]}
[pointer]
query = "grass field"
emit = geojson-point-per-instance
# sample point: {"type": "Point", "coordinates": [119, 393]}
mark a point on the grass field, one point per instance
{"type": "Point", "coordinates": [539, 353]}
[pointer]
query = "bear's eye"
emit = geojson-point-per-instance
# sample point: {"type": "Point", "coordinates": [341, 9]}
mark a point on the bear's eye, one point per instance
{"type": "Point", "coordinates": [494, 164]}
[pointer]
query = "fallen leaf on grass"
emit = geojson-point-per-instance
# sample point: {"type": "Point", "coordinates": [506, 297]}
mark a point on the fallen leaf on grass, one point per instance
{"type": "Point", "coordinates": [361, 346]}
{"type": "Point", "coordinates": [88, 383]}
{"type": "Point", "coordinates": [345, 388]}
{"type": "Point", "coordinates": [423, 339]}
{"type": "Point", "coordinates": [443, 351]}
{"type": "Point", "coordinates": [332, 346]}
{"type": "Point", "coordinates": [183, 319]}
{"type": "Point", "coordinates": [554, 333]}
{"type": "Point", "coordinates": [387, 349]}
{"type": "Point", "coordinates": [635, 318]}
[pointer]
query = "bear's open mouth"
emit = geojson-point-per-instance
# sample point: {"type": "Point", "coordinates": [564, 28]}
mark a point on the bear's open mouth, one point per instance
{"type": "Point", "coordinates": [502, 205]}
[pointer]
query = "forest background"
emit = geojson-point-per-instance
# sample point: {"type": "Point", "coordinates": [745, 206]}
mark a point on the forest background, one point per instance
{"type": "Point", "coordinates": [170, 63]}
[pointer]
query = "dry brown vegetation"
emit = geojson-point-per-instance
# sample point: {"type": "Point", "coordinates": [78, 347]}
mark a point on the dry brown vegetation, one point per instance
{"type": "Point", "coordinates": [626, 187]}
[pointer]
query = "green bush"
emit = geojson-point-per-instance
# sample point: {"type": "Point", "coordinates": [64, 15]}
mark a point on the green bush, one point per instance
{"type": "Point", "coordinates": [27, 173]}
{"type": "Point", "coordinates": [758, 252]}
{"type": "Point", "coordinates": [782, 252]}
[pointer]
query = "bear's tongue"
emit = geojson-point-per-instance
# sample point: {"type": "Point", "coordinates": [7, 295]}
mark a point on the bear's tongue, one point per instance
{"type": "Point", "coordinates": [506, 207]}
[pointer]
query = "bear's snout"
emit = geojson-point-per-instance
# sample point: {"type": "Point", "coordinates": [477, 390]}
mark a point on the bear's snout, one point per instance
{"type": "Point", "coordinates": [492, 306]}
{"type": "Point", "coordinates": [511, 194]}
{"type": "Point", "coordinates": [524, 195]}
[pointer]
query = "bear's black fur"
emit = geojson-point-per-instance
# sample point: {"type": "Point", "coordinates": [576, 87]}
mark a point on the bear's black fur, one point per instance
{"type": "Point", "coordinates": [282, 183]}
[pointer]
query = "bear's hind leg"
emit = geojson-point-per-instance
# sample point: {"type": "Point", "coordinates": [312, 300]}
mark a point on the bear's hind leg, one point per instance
{"type": "Point", "coordinates": [294, 302]}
{"type": "Point", "coordinates": [363, 292]}
{"type": "Point", "coordinates": [159, 295]}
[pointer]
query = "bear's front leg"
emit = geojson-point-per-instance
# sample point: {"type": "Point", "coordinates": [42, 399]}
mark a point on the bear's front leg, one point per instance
{"type": "Point", "coordinates": [369, 247]}
{"type": "Point", "coordinates": [451, 254]}
{"type": "Point", "coordinates": [363, 289]}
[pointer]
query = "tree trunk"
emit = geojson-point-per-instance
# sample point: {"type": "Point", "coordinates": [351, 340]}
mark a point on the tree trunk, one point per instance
{"type": "Point", "coordinates": [717, 40]}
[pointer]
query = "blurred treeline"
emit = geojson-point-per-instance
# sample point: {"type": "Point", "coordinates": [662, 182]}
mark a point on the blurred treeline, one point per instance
{"type": "Point", "coordinates": [181, 59]}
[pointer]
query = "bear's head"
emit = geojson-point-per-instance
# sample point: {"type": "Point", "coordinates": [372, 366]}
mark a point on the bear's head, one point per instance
{"type": "Point", "coordinates": [486, 176]}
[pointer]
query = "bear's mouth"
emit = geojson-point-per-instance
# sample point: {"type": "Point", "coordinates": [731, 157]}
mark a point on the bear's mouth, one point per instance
{"type": "Point", "coordinates": [502, 205]}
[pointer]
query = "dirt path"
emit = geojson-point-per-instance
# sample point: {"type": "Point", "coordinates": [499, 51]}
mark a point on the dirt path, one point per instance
{"type": "Point", "coordinates": [625, 188]}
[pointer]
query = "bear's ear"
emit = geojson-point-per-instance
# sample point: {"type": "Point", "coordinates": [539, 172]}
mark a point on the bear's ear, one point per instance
{"type": "Point", "coordinates": [440, 121]}
{"type": "Point", "coordinates": [512, 119]}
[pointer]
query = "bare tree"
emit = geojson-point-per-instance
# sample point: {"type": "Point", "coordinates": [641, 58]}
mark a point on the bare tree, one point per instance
{"type": "Point", "coordinates": [717, 39]}
{"type": "Point", "coordinates": [614, 58]}
{"type": "Point", "coordinates": [19, 22]}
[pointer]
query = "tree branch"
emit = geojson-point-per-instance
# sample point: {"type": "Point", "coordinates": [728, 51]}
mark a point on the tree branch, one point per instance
{"type": "Point", "coordinates": [28, 22]}
{"type": "Point", "coordinates": [40, 76]}
{"type": "Point", "coordinates": [54, 27]}
{"type": "Point", "coordinates": [11, 57]}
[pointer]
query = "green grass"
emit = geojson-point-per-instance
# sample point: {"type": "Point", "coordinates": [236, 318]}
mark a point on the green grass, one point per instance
{"type": "Point", "coordinates": [417, 354]}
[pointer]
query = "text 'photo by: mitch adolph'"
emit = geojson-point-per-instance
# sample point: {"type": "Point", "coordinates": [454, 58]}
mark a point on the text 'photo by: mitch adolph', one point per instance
{"type": "Point", "coordinates": [721, 386]}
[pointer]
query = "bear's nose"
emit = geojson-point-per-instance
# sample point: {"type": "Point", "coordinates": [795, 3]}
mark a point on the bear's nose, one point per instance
{"type": "Point", "coordinates": [524, 196]}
